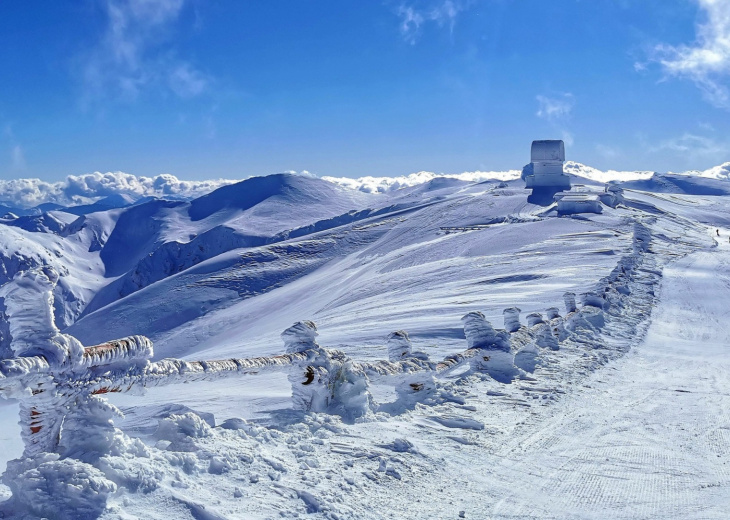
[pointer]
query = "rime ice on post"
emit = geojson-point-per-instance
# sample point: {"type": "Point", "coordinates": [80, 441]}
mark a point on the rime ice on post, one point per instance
{"type": "Point", "coordinates": [593, 299]}
{"type": "Point", "coordinates": [411, 387]}
{"type": "Point", "coordinates": [496, 359]}
{"type": "Point", "coordinates": [534, 318]}
{"type": "Point", "coordinates": [544, 337]}
{"type": "Point", "coordinates": [543, 332]}
{"type": "Point", "coordinates": [480, 333]}
{"type": "Point", "coordinates": [399, 345]}
{"type": "Point", "coordinates": [300, 337]}
{"type": "Point", "coordinates": [511, 319]}
{"type": "Point", "coordinates": [569, 299]}
{"type": "Point", "coordinates": [325, 381]}
{"type": "Point", "coordinates": [552, 313]}
{"type": "Point", "coordinates": [29, 306]}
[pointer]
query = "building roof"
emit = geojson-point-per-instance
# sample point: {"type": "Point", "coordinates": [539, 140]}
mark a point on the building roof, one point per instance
{"type": "Point", "coordinates": [548, 151]}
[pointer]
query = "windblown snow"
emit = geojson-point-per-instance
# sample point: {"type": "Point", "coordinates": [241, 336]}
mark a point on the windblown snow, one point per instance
{"type": "Point", "coordinates": [428, 346]}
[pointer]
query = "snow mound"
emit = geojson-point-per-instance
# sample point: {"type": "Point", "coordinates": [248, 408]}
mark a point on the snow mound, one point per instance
{"type": "Point", "coordinates": [51, 487]}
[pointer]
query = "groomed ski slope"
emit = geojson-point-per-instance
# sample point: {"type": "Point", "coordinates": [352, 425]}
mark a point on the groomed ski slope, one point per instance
{"type": "Point", "coordinates": [649, 436]}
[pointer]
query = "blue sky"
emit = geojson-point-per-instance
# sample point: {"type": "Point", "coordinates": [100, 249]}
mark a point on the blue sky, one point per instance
{"type": "Point", "coordinates": [215, 88]}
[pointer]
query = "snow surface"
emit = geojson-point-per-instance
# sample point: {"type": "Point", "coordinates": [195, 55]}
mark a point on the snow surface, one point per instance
{"type": "Point", "coordinates": [611, 408]}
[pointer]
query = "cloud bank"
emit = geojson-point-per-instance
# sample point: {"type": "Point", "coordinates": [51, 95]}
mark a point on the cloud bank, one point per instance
{"type": "Point", "coordinates": [386, 184]}
{"type": "Point", "coordinates": [83, 189]}
{"type": "Point", "coordinates": [88, 188]}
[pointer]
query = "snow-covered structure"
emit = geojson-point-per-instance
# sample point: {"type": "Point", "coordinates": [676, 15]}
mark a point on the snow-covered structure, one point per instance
{"type": "Point", "coordinates": [326, 381]}
{"type": "Point", "coordinates": [546, 167]}
{"type": "Point", "coordinates": [399, 345]}
{"type": "Point", "coordinates": [496, 357]}
{"type": "Point", "coordinates": [569, 299]}
{"type": "Point", "coordinates": [573, 203]}
{"type": "Point", "coordinates": [300, 337]}
{"type": "Point", "coordinates": [612, 195]}
{"type": "Point", "coordinates": [511, 319]}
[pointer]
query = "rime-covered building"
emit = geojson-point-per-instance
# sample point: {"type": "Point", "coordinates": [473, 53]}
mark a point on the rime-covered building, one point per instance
{"type": "Point", "coordinates": [546, 168]}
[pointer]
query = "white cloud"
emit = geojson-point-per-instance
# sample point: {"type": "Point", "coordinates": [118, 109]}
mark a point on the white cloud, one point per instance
{"type": "Point", "coordinates": [17, 157]}
{"type": "Point", "coordinates": [385, 184]}
{"type": "Point", "coordinates": [706, 61]}
{"type": "Point", "coordinates": [135, 53]}
{"type": "Point", "coordinates": [694, 148]}
{"type": "Point", "coordinates": [555, 108]}
{"type": "Point", "coordinates": [443, 13]}
{"type": "Point", "coordinates": [80, 189]}
{"type": "Point", "coordinates": [187, 82]}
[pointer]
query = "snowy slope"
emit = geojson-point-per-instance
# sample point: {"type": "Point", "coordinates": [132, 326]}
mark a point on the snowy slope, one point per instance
{"type": "Point", "coordinates": [223, 275]}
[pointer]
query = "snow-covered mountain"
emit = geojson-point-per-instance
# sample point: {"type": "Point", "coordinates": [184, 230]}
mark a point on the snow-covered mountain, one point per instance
{"type": "Point", "coordinates": [222, 274]}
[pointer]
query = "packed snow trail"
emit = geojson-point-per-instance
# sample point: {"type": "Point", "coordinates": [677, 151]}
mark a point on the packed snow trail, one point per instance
{"type": "Point", "coordinates": [648, 437]}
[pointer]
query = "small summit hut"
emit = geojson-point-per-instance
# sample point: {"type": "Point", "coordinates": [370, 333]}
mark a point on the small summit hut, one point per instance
{"type": "Point", "coordinates": [546, 169]}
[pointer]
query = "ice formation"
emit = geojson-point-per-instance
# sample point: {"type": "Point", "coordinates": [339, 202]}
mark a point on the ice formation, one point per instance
{"type": "Point", "coordinates": [495, 356]}
{"type": "Point", "coordinates": [534, 318]}
{"type": "Point", "coordinates": [399, 345]}
{"type": "Point", "coordinates": [511, 319]}
{"type": "Point", "coordinates": [300, 337]}
{"type": "Point", "coordinates": [569, 299]}
{"type": "Point", "coordinates": [527, 358]}
{"type": "Point", "coordinates": [326, 381]}
{"type": "Point", "coordinates": [29, 308]}
{"type": "Point", "coordinates": [612, 195]}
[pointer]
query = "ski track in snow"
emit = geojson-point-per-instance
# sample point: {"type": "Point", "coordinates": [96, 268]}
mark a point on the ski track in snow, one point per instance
{"type": "Point", "coordinates": [647, 437]}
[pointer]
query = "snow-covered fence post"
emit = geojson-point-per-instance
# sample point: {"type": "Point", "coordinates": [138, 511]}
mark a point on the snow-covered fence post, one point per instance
{"type": "Point", "coordinates": [43, 356]}
{"type": "Point", "coordinates": [415, 385]}
{"type": "Point", "coordinates": [495, 357]}
{"type": "Point", "coordinates": [326, 381]}
{"type": "Point", "coordinates": [569, 299]}
{"type": "Point", "coordinates": [552, 313]}
{"type": "Point", "coordinates": [50, 398]}
{"type": "Point", "coordinates": [534, 318]}
{"type": "Point", "coordinates": [399, 345]}
{"type": "Point", "coordinates": [511, 319]}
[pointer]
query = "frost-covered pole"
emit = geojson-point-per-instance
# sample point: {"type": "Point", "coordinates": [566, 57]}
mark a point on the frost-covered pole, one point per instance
{"type": "Point", "coordinates": [495, 356]}
{"type": "Point", "coordinates": [43, 356]}
{"type": "Point", "coordinates": [327, 381]}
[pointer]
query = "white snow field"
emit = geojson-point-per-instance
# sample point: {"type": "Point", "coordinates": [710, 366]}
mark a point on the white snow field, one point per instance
{"type": "Point", "coordinates": [609, 404]}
